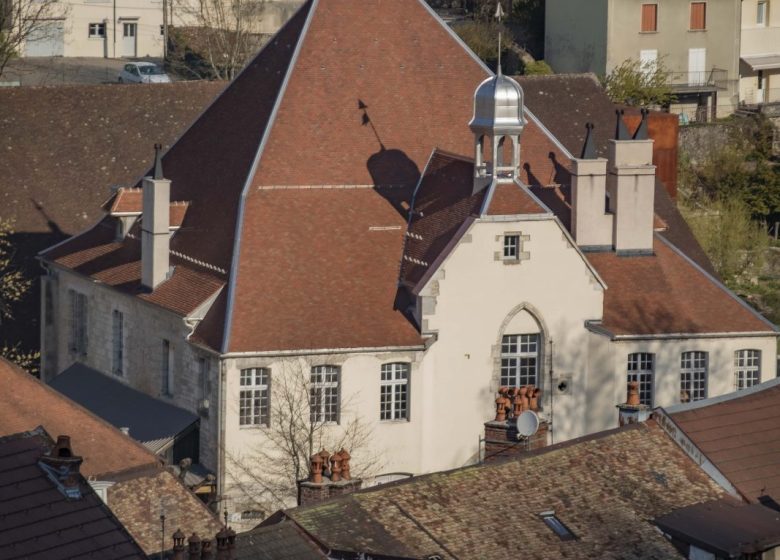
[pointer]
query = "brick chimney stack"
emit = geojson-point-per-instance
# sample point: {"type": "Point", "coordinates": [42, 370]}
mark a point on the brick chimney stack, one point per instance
{"type": "Point", "coordinates": [322, 483]}
{"type": "Point", "coordinates": [62, 467]}
{"type": "Point", "coordinates": [501, 437]}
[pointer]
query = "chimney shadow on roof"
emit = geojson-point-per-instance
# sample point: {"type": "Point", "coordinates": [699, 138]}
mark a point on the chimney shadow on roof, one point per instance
{"type": "Point", "coordinates": [562, 175]}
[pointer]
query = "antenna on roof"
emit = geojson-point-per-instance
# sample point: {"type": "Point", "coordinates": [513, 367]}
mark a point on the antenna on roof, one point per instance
{"type": "Point", "coordinates": [589, 148]}
{"type": "Point", "coordinates": [499, 17]}
{"type": "Point", "coordinates": [158, 171]}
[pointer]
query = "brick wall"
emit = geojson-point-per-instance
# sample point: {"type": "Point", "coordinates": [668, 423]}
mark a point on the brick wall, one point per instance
{"type": "Point", "coordinates": [501, 440]}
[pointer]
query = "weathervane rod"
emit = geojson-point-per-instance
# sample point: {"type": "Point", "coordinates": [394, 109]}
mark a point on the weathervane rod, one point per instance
{"type": "Point", "coordinates": [499, 15]}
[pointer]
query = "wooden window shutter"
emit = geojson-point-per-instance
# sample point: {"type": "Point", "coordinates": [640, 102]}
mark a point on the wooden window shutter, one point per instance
{"type": "Point", "coordinates": [698, 15]}
{"type": "Point", "coordinates": [649, 17]}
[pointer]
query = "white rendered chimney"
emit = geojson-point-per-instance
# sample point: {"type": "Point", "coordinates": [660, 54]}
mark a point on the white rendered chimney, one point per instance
{"type": "Point", "coordinates": [591, 224]}
{"type": "Point", "coordinates": [155, 240]}
{"type": "Point", "coordinates": [631, 188]}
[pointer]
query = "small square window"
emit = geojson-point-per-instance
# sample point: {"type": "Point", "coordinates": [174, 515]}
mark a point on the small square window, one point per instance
{"type": "Point", "coordinates": [511, 247]}
{"type": "Point", "coordinates": [557, 526]}
{"type": "Point", "coordinates": [97, 30]}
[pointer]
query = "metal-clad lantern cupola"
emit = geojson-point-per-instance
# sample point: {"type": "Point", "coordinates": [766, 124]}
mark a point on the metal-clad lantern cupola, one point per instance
{"type": "Point", "coordinates": [499, 117]}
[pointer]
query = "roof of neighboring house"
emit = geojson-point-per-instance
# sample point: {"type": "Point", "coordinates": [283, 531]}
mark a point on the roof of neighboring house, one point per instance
{"type": "Point", "coordinates": [27, 403]}
{"type": "Point", "coordinates": [242, 168]}
{"type": "Point", "coordinates": [740, 434]}
{"type": "Point", "coordinates": [64, 146]}
{"type": "Point", "coordinates": [666, 293]}
{"type": "Point", "coordinates": [283, 541]}
{"type": "Point", "coordinates": [725, 527]}
{"type": "Point", "coordinates": [151, 421]}
{"type": "Point", "coordinates": [40, 522]}
{"type": "Point", "coordinates": [138, 503]}
{"type": "Point", "coordinates": [605, 488]}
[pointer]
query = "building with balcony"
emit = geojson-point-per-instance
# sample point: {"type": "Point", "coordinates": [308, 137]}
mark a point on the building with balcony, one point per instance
{"type": "Point", "coordinates": [698, 43]}
{"type": "Point", "coordinates": [759, 65]}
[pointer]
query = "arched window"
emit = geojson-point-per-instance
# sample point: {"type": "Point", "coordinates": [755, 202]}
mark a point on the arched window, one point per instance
{"type": "Point", "coordinates": [693, 376]}
{"type": "Point", "coordinates": [747, 368]}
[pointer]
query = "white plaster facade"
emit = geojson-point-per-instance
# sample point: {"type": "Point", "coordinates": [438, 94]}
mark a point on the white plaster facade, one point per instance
{"type": "Point", "coordinates": [759, 66]}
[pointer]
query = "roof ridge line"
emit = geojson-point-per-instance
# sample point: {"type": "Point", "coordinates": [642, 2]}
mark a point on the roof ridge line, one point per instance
{"type": "Point", "coordinates": [253, 171]}
{"type": "Point", "coordinates": [335, 187]}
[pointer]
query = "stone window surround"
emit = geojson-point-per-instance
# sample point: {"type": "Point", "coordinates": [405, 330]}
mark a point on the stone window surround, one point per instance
{"type": "Point", "coordinates": [521, 254]}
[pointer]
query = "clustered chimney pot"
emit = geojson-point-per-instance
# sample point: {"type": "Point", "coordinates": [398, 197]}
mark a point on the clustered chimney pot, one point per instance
{"type": "Point", "coordinates": [345, 457]}
{"type": "Point", "coordinates": [513, 401]}
{"type": "Point", "coordinates": [633, 394]}
{"type": "Point", "coordinates": [198, 549]}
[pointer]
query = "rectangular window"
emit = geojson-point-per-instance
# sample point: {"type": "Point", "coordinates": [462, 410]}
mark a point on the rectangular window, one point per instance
{"type": "Point", "coordinates": [118, 336]}
{"type": "Point", "coordinates": [78, 323]}
{"type": "Point", "coordinates": [747, 368]}
{"type": "Point", "coordinates": [324, 394]}
{"type": "Point", "coordinates": [511, 247]}
{"type": "Point", "coordinates": [394, 392]}
{"type": "Point", "coordinates": [693, 376]}
{"type": "Point", "coordinates": [557, 526]}
{"type": "Point", "coordinates": [640, 369]}
{"type": "Point", "coordinates": [761, 14]}
{"type": "Point", "coordinates": [649, 18]}
{"type": "Point", "coordinates": [204, 376]}
{"type": "Point", "coordinates": [97, 30]}
{"type": "Point", "coordinates": [519, 360]}
{"type": "Point", "coordinates": [167, 368]}
{"type": "Point", "coordinates": [254, 400]}
{"type": "Point", "coordinates": [698, 16]}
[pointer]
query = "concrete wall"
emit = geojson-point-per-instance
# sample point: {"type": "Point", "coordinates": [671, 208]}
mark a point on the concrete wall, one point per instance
{"type": "Point", "coordinates": [145, 326]}
{"type": "Point", "coordinates": [576, 36]}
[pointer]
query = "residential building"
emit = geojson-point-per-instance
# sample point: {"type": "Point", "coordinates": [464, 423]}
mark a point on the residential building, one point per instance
{"type": "Point", "coordinates": [595, 497]}
{"type": "Point", "coordinates": [126, 476]}
{"type": "Point", "coordinates": [759, 65]}
{"type": "Point", "coordinates": [698, 42]}
{"type": "Point", "coordinates": [429, 248]}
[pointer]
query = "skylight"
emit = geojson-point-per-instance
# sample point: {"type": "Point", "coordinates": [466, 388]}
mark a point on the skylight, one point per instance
{"type": "Point", "coordinates": [557, 526]}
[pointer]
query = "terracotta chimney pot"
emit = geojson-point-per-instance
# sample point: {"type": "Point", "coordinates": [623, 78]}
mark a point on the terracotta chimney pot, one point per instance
{"type": "Point", "coordinates": [194, 546]}
{"type": "Point", "coordinates": [205, 550]}
{"type": "Point", "coordinates": [316, 469]}
{"type": "Point", "coordinates": [222, 544]}
{"type": "Point", "coordinates": [335, 467]}
{"type": "Point", "coordinates": [500, 408]}
{"type": "Point", "coordinates": [345, 458]}
{"type": "Point", "coordinates": [517, 402]}
{"type": "Point", "coordinates": [523, 399]}
{"type": "Point", "coordinates": [633, 394]}
{"type": "Point", "coordinates": [533, 398]}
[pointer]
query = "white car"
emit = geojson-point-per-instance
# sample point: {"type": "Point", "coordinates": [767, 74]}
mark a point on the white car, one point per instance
{"type": "Point", "coordinates": [143, 73]}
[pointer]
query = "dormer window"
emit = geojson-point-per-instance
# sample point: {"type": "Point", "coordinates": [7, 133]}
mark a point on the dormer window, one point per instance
{"type": "Point", "coordinates": [511, 247]}
{"type": "Point", "coordinates": [557, 526]}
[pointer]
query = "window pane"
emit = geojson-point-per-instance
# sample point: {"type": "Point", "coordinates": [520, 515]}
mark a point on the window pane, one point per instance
{"type": "Point", "coordinates": [519, 360]}
{"type": "Point", "coordinates": [324, 394]}
{"type": "Point", "coordinates": [693, 376]}
{"type": "Point", "coordinates": [747, 364]}
{"type": "Point", "coordinates": [393, 391]}
{"type": "Point", "coordinates": [640, 369]}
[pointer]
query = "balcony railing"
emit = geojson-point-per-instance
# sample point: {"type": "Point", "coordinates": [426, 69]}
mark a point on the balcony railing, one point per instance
{"type": "Point", "coordinates": [705, 80]}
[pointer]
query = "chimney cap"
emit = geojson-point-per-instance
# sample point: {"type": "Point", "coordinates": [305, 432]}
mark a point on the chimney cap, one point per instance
{"type": "Point", "coordinates": [589, 147]}
{"type": "Point", "coordinates": [621, 132]}
{"type": "Point", "coordinates": [641, 131]}
{"type": "Point", "coordinates": [158, 170]}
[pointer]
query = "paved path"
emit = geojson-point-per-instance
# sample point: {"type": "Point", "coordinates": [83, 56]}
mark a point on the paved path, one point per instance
{"type": "Point", "coordinates": [45, 71]}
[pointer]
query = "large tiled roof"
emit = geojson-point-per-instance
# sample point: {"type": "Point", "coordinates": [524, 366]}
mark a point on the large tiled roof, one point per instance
{"type": "Point", "coordinates": [740, 434]}
{"type": "Point", "coordinates": [27, 403]}
{"type": "Point", "coordinates": [63, 147]}
{"type": "Point", "coordinates": [40, 523]}
{"type": "Point", "coordinates": [283, 541]}
{"type": "Point", "coordinates": [606, 489]}
{"type": "Point", "coordinates": [665, 293]}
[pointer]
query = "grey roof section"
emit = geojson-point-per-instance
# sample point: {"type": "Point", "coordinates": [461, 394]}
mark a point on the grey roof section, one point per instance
{"type": "Point", "coordinates": [149, 419]}
{"type": "Point", "coordinates": [283, 541]}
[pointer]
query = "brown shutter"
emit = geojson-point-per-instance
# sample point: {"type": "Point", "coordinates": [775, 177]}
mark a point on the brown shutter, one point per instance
{"type": "Point", "coordinates": [698, 15]}
{"type": "Point", "coordinates": [649, 17]}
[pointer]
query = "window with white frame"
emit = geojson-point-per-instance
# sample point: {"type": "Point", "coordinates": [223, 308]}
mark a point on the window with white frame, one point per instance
{"type": "Point", "coordinates": [324, 394]}
{"type": "Point", "coordinates": [762, 13]}
{"type": "Point", "coordinates": [77, 342]}
{"type": "Point", "coordinates": [255, 397]}
{"type": "Point", "coordinates": [511, 247]}
{"type": "Point", "coordinates": [519, 360]}
{"type": "Point", "coordinates": [394, 392]}
{"type": "Point", "coordinates": [97, 30]}
{"type": "Point", "coordinates": [118, 342]}
{"type": "Point", "coordinates": [747, 368]}
{"type": "Point", "coordinates": [167, 368]}
{"type": "Point", "coordinates": [640, 369]}
{"type": "Point", "coordinates": [693, 376]}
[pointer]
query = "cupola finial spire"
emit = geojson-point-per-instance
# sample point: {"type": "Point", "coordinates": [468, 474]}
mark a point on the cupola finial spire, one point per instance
{"type": "Point", "coordinates": [499, 17]}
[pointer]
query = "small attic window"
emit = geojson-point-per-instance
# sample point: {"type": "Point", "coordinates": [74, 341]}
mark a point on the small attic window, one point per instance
{"type": "Point", "coordinates": [557, 526]}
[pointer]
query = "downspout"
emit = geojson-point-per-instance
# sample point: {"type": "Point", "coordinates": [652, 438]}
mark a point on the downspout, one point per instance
{"type": "Point", "coordinates": [552, 393]}
{"type": "Point", "coordinates": [221, 432]}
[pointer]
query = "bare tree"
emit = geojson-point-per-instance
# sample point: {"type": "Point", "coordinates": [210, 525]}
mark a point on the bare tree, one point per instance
{"type": "Point", "coordinates": [23, 20]}
{"type": "Point", "coordinates": [221, 34]}
{"type": "Point", "coordinates": [300, 424]}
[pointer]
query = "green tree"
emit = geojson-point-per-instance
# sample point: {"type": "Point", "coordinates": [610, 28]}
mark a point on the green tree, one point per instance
{"type": "Point", "coordinates": [537, 68]}
{"type": "Point", "coordinates": [482, 37]}
{"type": "Point", "coordinates": [14, 286]}
{"type": "Point", "coordinates": [639, 84]}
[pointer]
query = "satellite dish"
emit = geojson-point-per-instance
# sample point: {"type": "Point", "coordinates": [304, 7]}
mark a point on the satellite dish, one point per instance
{"type": "Point", "coordinates": [527, 423]}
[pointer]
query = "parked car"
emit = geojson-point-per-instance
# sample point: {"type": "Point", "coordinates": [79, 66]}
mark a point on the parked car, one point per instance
{"type": "Point", "coordinates": [143, 73]}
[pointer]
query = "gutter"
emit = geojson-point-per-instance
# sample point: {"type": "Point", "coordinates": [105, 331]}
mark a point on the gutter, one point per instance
{"type": "Point", "coordinates": [597, 328]}
{"type": "Point", "coordinates": [318, 351]}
